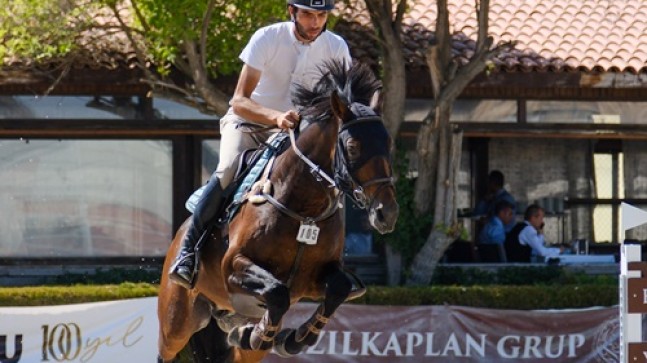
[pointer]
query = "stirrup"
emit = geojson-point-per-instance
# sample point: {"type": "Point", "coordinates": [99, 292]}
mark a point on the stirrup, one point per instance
{"type": "Point", "coordinates": [179, 279]}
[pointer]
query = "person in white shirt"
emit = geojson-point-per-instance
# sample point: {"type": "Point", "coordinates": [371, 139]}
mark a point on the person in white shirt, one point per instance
{"type": "Point", "coordinates": [276, 58]}
{"type": "Point", "coordinates": [530, 235]}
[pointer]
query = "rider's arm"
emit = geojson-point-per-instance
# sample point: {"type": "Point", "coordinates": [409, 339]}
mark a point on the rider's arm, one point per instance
{"type": "Point", "coordinates": [248, 109]}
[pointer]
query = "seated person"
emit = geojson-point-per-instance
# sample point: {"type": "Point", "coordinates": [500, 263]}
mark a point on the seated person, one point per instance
{"type": "Point", "coordinates": [525, 243]}
{"type": "Point", "coordinates": [494, 231]}
{"type": "Point", "coordinates": [495, 193]}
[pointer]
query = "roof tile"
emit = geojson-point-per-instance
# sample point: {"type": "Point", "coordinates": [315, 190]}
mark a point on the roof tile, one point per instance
{"type": "Point", "coordinates": [551, 35]}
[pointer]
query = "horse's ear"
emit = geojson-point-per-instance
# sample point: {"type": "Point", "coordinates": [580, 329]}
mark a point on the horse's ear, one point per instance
{"type": "Point", "coordinates": [339, 107]}
{"type": "Point", "coordinates": [376, 101]}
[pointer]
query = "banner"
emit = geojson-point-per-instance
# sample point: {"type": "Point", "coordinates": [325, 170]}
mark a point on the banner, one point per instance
{"type": "Point", "coordinates": [126, 331]}
{"type": "Point", "coordinates": [363, 334]}
{"type": "Point", "coordinates": [115, 331]}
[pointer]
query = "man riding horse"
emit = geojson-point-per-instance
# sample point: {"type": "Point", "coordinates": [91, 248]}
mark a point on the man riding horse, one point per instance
{"type": "Point", "coordinates": [276, 57]}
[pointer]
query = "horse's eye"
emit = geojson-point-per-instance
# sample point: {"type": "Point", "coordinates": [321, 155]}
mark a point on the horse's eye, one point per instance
{"type": "Point", "coordinates": [353, 148]}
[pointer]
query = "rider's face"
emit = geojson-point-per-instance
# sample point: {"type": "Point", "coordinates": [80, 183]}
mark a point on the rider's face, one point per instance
{"type": "Point", "coordinates": [310, 23]}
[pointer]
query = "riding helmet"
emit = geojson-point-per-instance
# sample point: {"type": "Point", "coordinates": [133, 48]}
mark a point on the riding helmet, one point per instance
{"type": "Point", "coordinates": [313, 4]}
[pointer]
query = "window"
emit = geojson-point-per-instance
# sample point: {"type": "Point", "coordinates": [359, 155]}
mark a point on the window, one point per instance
{"type": "Point", "coordinates": [68, 107]}
{"type": "Point", "coordinates": [70, 198]}
{"type": "Point", "coordinates": [586, 112]}
{"type": "Point", "coordinates": [609, 184]}
{"type": "Point", "coordinates": [466, 110]}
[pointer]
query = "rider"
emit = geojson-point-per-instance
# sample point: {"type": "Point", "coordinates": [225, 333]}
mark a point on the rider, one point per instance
{"type": "Point", "coordinates": [276, 57]}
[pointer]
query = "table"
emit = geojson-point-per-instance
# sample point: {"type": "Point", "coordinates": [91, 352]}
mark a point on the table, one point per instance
{"type": "Point", "coordinates": [584, 259]}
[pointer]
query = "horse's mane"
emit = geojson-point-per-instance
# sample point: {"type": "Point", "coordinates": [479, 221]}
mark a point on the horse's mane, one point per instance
{"type": "Point", "coordinates": [355, 84]}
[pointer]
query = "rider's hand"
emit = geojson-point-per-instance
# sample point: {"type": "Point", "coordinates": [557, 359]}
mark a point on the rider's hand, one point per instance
{"type": "Point", "coordinates": [288, 120]}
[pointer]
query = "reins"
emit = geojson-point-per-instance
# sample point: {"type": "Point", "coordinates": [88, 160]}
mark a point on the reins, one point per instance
{"type": "Point", "coordinates": [314, 168]}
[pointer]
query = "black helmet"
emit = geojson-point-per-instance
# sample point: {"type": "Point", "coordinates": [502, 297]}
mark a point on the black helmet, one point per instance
{"type": "Point", "coordinates": [313, 4]}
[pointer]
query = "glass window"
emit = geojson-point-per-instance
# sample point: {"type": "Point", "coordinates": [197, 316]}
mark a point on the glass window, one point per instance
{"type": "Point", "coordinates": [484, 111]}
{"type": "Point", "coordinates": [587, 112]}
{"type": "Point", "coordinates": [68, 107]}
{"type": "Point", "coordinates": [172, 110]}
{"type": "Point", "coordinates": [210, 157]}
{"type": "Point", "coordinates": [69, 198]}
{"type": "Point", "coordinates": [609, 183]}
{"type": "Point", "coordinates": [466, 110]}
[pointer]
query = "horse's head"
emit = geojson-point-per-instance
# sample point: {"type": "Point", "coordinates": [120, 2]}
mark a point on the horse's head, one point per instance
{"type": "Point", "coordinates": [363, 161]}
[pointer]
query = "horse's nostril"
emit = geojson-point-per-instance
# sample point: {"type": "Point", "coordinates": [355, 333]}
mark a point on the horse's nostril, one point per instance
{"type": "Point", "coordinates": [380, 215]}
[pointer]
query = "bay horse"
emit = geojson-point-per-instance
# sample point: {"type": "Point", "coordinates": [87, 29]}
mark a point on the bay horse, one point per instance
{"type": "Point", "coordinates": [290, 247]}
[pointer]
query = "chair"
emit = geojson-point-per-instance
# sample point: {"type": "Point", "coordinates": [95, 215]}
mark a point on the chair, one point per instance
{"type": "Point", "coordinates": [460, 251]}
{"type": "Point", "coordinates": [491, 253]}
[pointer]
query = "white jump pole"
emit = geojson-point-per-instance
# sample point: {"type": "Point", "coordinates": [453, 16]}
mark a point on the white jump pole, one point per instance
{"type": "Point", "coordinates": [633, 291]}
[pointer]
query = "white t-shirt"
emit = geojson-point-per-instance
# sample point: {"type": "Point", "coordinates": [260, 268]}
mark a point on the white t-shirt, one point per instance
{"type": "Point", "coordinates": [283, 61]}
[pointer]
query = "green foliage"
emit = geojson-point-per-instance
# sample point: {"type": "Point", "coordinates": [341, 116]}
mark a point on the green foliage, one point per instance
{"type": "Point", "coordinates": [58, 295]}
{"type": "Point", "coordinates": [39, 29]}
{"type": "Point", "coordinates": [411, 230]}
{"type": "Point", "coordinates": [495, 296]}
{"type": "Point", "coordinates": [44, 29]}
{"type": "Point", "coordinates": [110, 276]}
{"type": "Point", "coordinates": [167, 24]}
{"type": "Point", "coordinates": [518, 275]}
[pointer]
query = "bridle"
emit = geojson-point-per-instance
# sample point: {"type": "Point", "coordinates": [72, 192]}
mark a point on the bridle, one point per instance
{"type": "Point", "coordinates": [343, 181]}
{"type": "Point", "coordinates": [344, 177]}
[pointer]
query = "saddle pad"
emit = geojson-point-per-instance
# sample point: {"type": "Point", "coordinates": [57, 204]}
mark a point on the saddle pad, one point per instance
{"type": "Point", "coordinates": [274, 147]}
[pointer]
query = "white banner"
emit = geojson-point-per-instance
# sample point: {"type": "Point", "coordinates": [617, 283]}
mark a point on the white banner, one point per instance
{"type": "Point", "coordinates": [104, 332]}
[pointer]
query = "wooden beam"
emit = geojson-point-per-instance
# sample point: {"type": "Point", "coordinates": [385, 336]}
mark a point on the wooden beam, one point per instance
{"type": "Point", "coordinates": [409, 130]}
{"type": "Point", "coordinates": [107, 128]}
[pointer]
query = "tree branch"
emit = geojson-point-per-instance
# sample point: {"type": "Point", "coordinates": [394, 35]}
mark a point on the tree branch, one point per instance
{"type": "Point", "coordinates": [140, 16]}
{"type": "Point", "coordinates": [138, 52]}
{"type": "Point", "coordinates": [206, 20]}
{"type": "Point", "coordinates": [214, 97]}
{"type": "Point", "coordinates": [399, 15]}
{"type": "Point", "coordinates": [482, 11]}
{"type": "Point", "coordinates": [443, 37]}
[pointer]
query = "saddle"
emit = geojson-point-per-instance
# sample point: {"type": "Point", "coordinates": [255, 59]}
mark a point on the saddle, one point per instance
{"type": "Point", "coordinates": [252, 164]}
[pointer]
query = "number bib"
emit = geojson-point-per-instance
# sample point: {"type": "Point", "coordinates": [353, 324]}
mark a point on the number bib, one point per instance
{"type": "Point", "coordinates": [308, 234]}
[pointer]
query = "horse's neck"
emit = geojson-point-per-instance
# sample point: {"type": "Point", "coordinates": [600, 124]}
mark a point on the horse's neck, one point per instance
{"type": "Point", "coordinates": [317, 142]}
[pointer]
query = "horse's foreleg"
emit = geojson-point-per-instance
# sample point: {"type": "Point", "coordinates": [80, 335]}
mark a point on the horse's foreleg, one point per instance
{"type": "Point", "coordinates": [258, 281]}
{"type": "Point", "coordinates": [338, 286]}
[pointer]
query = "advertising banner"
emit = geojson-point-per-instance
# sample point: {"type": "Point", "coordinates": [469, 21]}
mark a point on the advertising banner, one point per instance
{"type": "Point", "coordinates": [115, 331]}
{"type": "Point", "coordinates": [126, 331]}
{"type": "Point", "coordinates": [363, 334]}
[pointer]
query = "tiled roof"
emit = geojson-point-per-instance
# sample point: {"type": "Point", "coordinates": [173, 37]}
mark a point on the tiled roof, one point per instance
{"type": "Point", "coordinates": [550, 35]}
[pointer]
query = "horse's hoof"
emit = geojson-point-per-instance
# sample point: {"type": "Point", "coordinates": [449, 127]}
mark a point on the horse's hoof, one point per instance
{"type": "Point", "coordinates": [262, 341]}
{"type": "Point", "coordinates": [228, 321]}
{"type": "Point", "coordinates": [239, 337]}
{"type": "Point", "coordinates": [281, 341]}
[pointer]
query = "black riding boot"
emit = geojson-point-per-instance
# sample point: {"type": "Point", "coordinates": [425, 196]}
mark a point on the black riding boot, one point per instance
{"type": "Point", "coordinates": [185, 265]}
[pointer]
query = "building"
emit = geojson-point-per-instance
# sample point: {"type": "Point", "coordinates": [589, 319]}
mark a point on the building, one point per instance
{"type": "Point", "coordinates": [97, 173]}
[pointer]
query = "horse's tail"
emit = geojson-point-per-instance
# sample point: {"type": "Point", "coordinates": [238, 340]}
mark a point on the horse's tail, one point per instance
{"type": "Point", "coordinates": [209, 345]}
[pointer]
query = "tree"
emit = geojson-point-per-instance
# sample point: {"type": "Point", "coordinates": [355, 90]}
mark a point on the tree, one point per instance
{"type": "Point", "coordinates": [388, 25]}
{"type": "Point", "coordinates": [438, 146]}
{"type": "Point", "coordinates": [179, 46]}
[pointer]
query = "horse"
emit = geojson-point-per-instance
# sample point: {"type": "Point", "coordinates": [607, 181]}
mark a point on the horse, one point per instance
{"type": "Point", "coordinates": [289, 247]}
